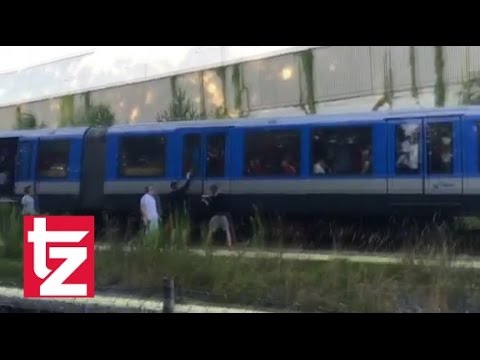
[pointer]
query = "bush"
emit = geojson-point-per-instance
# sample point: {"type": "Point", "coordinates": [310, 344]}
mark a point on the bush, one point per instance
{"type": "Point", "coordinates": [96, 115]}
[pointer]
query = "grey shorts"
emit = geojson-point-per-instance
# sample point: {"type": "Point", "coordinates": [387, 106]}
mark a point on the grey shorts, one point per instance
{"type": "Point", "coordinates": [218, 222]}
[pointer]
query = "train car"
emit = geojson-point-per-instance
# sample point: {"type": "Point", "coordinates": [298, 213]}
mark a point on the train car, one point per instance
{"type": "Point", "coordinates": [410, 163]}
{"type": "Point", "coordinates": [51, 162]}
{"type": "Point", "coordinates": [414, 163]}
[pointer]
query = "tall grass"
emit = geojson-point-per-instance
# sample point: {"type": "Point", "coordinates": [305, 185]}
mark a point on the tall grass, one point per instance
{"type": "Point", "coordinates": [333, 286]}
{"type": "Point", "coordinates": [429, 284]}
{"type": "Point", "coordinates": [11, 232]}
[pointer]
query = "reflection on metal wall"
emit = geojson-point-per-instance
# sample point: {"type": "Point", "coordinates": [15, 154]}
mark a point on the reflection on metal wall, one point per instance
{"type": "Point", "coordinates": [272, 82]}
{"type": "Point", "coordinates": [140, 102]}
{"type": "Point", "coordinates": [7, 118]}
{"type": "Point", "coordinates": [342, 71]}
{"type": "Point", "coordinates": [46, 112]}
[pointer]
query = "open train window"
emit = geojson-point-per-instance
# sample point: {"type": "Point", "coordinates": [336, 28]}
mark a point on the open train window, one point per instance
{"type": "Point", "coordinates": [341, 151]}
{"type": "Point", "coordinates": [53, 159]}
{"type": "Point", "coordinates": [272, 153]}
{"type": "Point", "coordinates": [407, 148]}
{"type": "Point", "coordinates": [142, 156]}
{"type": "Point", "coordinates": [440, 148]}
{"type": "Point", "coordinates": [215, 155]}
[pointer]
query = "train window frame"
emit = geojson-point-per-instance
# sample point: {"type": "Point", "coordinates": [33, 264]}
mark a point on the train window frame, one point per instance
{"type": "Point", "coordinates": [143, 139]}
{"type": "Point", "coordinates": [209, 136]}
{"type": "Point", "coordinates": [199, 166]}
{"type": "Point", "coordinates": [348, 129]}
{"type": "Point", "coordinates": [429, 150]}
{"type": "Point", "coordinates": [252, 134]}
{"type": "Point", "coordinates": [48, 144]}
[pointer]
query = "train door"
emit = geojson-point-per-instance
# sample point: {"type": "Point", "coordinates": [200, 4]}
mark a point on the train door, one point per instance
{"type": "Point", "coordinates": [25, 164]}
{"type": "Point", "coordinates": [443, 170]}
{"type": "Point", "coordinates": [191, 160]}
{"type": "Point", "coordinates": [205, 152]}
{"type": "Point", "coordinates": [215, 160]}
{"type": "Point", "coordinates": [405, 170]}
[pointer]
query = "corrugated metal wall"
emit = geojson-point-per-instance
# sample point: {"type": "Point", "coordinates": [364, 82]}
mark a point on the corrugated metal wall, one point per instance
{"type": "Point", "coordinates": [256, 87]}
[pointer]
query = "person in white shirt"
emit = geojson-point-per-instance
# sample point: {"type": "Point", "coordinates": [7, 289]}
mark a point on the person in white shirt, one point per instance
{"type": "Point", "coordinates": [149, 210]}
{"type": "Point", "coordinates": [28, 202]}
{"type": "Point", "coordinates": [320, 167]}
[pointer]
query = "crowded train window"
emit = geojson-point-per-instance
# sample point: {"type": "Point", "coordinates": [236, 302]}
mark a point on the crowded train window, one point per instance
{"type": "Point", "coordinates": [192, 147]}
{"type": "Point", "coordinates": [272, 153]}
{"type": "Point", "coordinates": [440, 148]}
{"type": "Point", "coordinates": [216, 155]}
{"type": "Point", "coordinates": [53, 158]}
{"type": "Point", "coordinates": [342, 151]}
{"type": "Point", "coordinates": [407, 149]}
{"type": "Point", "coordinates": [142, 156]}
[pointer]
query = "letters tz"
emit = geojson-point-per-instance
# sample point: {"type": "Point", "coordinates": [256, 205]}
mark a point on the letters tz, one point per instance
{"type": "Point", "coordinates": [58, 257]}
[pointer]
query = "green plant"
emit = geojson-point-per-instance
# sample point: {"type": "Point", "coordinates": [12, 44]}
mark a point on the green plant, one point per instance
{"type": "Point", "coordinates": [67, 111]}
{"type": "Point", "coordinates": [308, 70]}
{"type": "Point", "coordinates": [181, 107]}
{"type": "Point", "coordinates": [413, 74]}
{"type": "Point", "coordinates": [95, 115]}
{"type": "Point", "coordinates": [388, 86]}
{"type": "Point", "coordinates": [25, 120]}
{"type": "Point", "coordinates": [440, 88]}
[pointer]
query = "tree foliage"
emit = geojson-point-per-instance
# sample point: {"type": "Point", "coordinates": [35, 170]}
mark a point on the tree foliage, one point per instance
{"type": "Point", "coordinates": [180, 108]}
{"type": "Point", "coordinates": [96, 115]}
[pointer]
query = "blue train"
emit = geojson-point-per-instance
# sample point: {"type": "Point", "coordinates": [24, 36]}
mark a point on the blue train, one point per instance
{"type": "Point", "coordinates": [413, 163]}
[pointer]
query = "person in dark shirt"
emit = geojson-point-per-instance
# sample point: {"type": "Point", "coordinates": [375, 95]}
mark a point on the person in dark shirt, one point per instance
{"type": "Point", "coordinates": [218, 209]}
{"type": "Point", "coordinates": [176, 199]}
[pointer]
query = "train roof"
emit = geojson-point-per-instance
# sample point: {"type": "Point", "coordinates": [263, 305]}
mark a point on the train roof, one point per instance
{"type": "Point", "coordinates": [371, 116]}
{"type": "Point", "coordinates": [73, 131]}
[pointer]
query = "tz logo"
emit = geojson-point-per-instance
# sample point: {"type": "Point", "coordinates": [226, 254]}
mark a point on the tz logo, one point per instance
{"type": "Point", "coordinates": [58, 261]}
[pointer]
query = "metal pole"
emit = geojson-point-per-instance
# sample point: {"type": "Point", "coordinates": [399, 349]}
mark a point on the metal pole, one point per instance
{"type": "Point", "coordinates": [168, 295]}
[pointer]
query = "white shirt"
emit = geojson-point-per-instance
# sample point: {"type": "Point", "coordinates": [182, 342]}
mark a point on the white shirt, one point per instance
{"type": "Point", "coordinates": [414, 156]}
{"type": "Point", "coordinates": [149, 206]}
{"type": "Point", "coordinates": [318, 169]}
{"type": "Point", "coordinates": [28, 205]}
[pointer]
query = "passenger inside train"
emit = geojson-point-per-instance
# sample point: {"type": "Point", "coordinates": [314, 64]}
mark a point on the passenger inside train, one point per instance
{"type": "Point", "coordinates": [8, 148]}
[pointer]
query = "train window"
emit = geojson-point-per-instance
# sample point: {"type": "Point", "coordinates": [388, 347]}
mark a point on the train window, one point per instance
{"type": "Point", "coordinates": [142, 156]}
{"type": "Point", "coordinates": [53, 158]}
{"type": "Point", "coordinates": [216, 155]}
{"type": "Point", "coordinates": [407, 149]}
{"type": "Point", "coordinates": [192, 147]}
{"type": "Point", "coordinates": [440, 148]}
{"type": "Point", "coordinates": [272, 153]}
{"type": "Point", "coordinates": [342, 151]}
